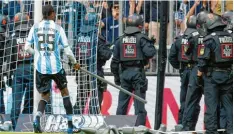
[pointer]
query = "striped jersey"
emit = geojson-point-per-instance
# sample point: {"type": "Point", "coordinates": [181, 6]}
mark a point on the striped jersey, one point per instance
{"type": "Point", "coordinates": [48, 38]}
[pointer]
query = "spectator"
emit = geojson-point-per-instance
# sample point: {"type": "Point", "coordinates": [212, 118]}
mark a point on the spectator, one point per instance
{"type": "Point", "coordinates": [110, 25]}
{"type": "Point", "coordinates": [216, 6]}
{"type": "Point", "coordinates": [106, 12]}
{"type": "Point", "coordinates": [229, 5]}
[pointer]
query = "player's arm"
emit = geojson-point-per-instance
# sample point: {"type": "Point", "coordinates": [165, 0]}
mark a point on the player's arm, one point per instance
{"type": "Point", "coordinates": [30, 40]}
{"type": "Point", "coordinates": [67, 50]}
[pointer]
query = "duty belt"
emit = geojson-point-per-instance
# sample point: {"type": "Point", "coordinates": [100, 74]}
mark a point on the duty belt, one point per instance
{"type": "Point", "coordinates": [188, 65]}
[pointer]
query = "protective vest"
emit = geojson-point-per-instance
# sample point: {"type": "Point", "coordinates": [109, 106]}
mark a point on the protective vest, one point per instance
{"type": "Point", "coordinates": [84, 45]}
{"type": "Point", "coordinates": [130, 47]}
{"type": "Point", "coordinates": [223, 53]}
{"type": "Point", "coordinates": [183, 47]}
{"type": "Point", "coordinates": [18, 44]}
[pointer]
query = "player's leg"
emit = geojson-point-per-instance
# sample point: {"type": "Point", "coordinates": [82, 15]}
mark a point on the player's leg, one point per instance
{"type": "Point", "coordinates": [43, 82]}
{"type": "Point", "coordinates": [61, 81]}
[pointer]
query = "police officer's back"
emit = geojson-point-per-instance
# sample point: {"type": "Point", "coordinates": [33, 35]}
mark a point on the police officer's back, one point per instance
{"type": "Point", "coordinates": [3, 29]}
{"type": "Point", "coordinates": [132, 52]}
{"type": "Point", "coordinates": [21, 65]}
{"type": "Point", "coordinates": [181, 59]}
{"type": "Point", "coordinates": [215, 64]}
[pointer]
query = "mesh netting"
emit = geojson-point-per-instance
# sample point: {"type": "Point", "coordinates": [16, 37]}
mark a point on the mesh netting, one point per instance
{"type": "Point", "coordinates": [18, 66]}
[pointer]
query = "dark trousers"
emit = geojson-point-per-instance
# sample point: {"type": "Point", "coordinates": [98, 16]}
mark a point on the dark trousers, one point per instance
{"type": "Point", "coordinates": [102, 86]}
{"type": "Point", "coordinates": [192, 103]}
{"type": "Point", "coordinates": [22, 85]}
{"type": "Point", "coordinates": [133, 79]}
{"type": "Point", "coordinates": [184, 79]}
{"type": "Point", "coordinates": [218, 88]}
{"type": "Point", "coordinates": [2, 106]}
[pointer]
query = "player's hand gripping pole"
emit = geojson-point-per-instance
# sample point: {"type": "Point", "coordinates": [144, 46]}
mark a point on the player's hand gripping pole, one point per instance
{"type": "Point", "coordinates": [77, 67]}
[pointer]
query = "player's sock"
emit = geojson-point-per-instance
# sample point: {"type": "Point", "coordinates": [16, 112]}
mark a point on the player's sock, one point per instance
{"type": "Point", "coordinates": [68, 108]}
{"type": "Point", "coordinates": [41, 108]}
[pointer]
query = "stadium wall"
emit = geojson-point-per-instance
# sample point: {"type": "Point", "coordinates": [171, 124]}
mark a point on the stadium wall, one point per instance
{"type": "Point", "coordinates": [109, 105]}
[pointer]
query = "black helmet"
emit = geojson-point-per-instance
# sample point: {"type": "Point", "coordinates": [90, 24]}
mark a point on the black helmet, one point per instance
{"type": "Point", "coordinates": [201, 22]}
{"type": "Point", "coordinates": [89, 22]}
{"type": "Point", "coordinates": [21, 21]}
{"type": "Point", "coordinates": [3, 23]}
{"type": "Point", "coordinates": [228, 18]}
{"type": "Point", "coordinates": [191, 22]}
{"type": "Point", "coordinates": [191, 25]}
{"type": "Point", "coordinates": [135, 20]}
{"type": "Point", "coordinates": [214, 20]}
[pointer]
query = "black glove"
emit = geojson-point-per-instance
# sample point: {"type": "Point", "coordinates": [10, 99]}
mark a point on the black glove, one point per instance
{"type": "Point", "coordinates": [153, 39]}
{"type": "Point", "coordinates": [117, 80]}
{"type": "Point", "coordinates": [199, 80]}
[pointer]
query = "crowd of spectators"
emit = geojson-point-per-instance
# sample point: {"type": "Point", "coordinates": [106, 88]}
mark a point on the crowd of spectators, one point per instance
{"type": "Point", "coordinates": [185, 8]}
{"type": "Point", "coordinates": [109, 17]}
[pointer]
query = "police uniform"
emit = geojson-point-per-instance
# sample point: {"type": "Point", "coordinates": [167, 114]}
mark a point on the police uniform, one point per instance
{"type": "Point", "coordinates": [103, 54]}
{"type": "Point", "coordinates": [85, 53]}
{"type": "Point", "coordinates": [3, 20]}
{"type": "Point", "coordinates": [215, 62]}
{"type": "Point", "coordinates": [132, 52]}
{"type": "Point", "coordinates": [179, 60]}
{"type": "Point", "coordinates": [21, 67]}
{"type": "Point", "coordinates": [195, 86]}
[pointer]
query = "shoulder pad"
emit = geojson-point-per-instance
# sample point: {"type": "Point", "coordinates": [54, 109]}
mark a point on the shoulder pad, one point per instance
{"type": "Point", "coordinates": [144, 36]}
{"type": "Point", "coordinates": [195, 33]}
{"type": "Point", "coordinates": [208, 37]}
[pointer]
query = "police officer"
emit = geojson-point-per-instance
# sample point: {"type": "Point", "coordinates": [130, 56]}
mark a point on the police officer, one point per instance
{"type": "Point", "coordinates": [21, 62]}
{"type": "Point", "coordinates": [3, 28]}
{"type": "Point", "coordinates": [215, 65]}
{"type": "Point", "coordinates": [180, 60]}
{"type": "Point", "coordinates": [195, 87]}
{"type": "Point", "coordinates": [103, 54]}
{"type": "Point", "coordinates": [228, 18]}
{"type": "Point", "coordinates": [85, 53]}
{"type": "Point", "coordinates": [132, 52]}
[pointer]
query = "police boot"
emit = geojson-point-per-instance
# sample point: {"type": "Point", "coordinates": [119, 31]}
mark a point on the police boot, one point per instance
{"type": "Point", "coordinates": [178, 127]}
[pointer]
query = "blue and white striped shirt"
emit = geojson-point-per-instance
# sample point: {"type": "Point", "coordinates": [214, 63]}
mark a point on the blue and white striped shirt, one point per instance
{"type": "Point", "coordinates": [48, 38]}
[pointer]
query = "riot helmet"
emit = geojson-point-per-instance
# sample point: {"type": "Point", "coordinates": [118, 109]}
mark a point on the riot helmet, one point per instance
{"type": "Point", "coordinates": [3, 25]}
{"type": "Point", "coordinates": [191, 25]}
{"type": "Point", "coordinates": [228, 18]}
{"type": "Point", "coordinates": [21, 21]}
{"type": "Point", "coordinates": [214, 21]}
{"type": "Point", "coordinates": [201, 23]}
{"type": "Point", "coordinates": [134, 20]}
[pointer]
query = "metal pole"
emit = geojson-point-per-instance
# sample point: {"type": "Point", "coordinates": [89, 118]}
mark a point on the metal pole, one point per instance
{"type": "Point", "coordinates": [37, 18]}
{"type": "Point", "coordinates": [171, 20]}
{"type": "Point", "coordinates": [162, 58]}
{"type": "Point", "coordinates": [120, 18]}
{"type": "Point", "coordinates": [222, 6]}
{"type": "Point", "coordinates": [112, 84]}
